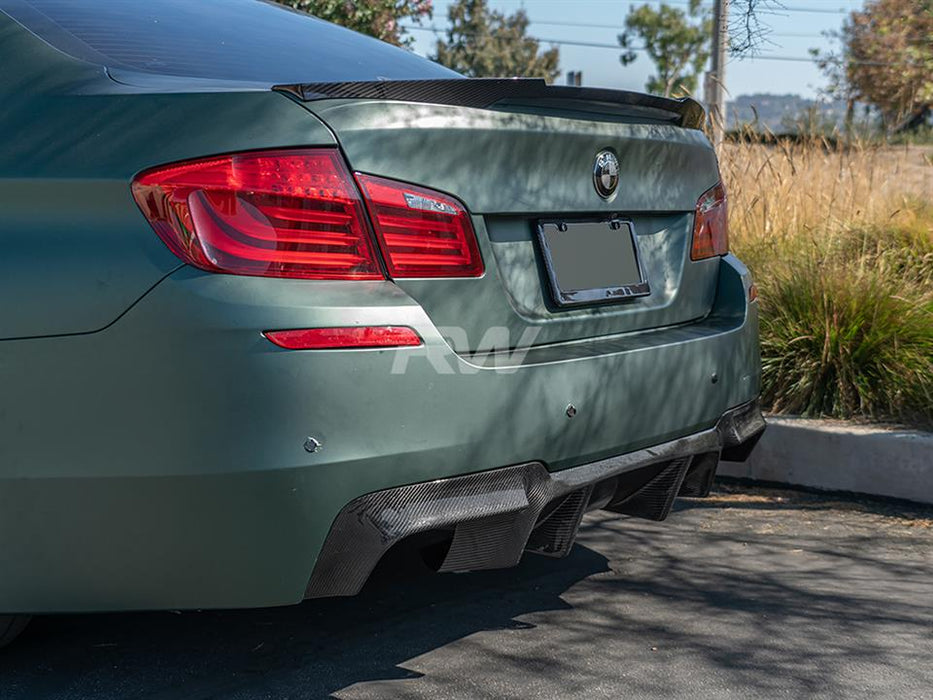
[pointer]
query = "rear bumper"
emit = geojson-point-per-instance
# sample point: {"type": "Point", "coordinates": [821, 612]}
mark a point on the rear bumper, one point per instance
{"type": "Point", "coordinates": [160, 463]}
{"type": "Point", "coordinates": [495, 516]}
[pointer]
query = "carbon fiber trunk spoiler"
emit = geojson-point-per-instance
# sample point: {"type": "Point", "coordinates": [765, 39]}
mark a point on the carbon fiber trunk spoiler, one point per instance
{"type": "Point", "coordinates": [485, 93]}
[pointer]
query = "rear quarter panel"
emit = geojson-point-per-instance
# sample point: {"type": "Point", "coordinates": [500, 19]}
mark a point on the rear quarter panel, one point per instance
{"type": "Point", "coordinates": [75, 251]}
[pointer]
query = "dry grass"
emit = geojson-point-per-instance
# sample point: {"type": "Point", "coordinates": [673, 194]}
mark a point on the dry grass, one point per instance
{"type": "Point", "coordinates": [841, 243]}
{"type": "Point", "coordinates": [783, 191]}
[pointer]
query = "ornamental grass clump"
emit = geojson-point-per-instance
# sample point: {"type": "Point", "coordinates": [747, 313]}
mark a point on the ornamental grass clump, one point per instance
{"type": "Point", "coordinates": [840, 242]}
{"type": "Point", "coordinates": [845, 342]}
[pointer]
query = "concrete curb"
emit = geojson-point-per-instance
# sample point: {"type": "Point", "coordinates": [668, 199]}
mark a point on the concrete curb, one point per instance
{"type": "Point", "coordinates": [841, 457]}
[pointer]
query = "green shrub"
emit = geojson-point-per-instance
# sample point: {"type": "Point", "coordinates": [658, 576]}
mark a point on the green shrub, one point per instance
{"type": "Point", "coordinates": [840, 242]}
{"type": "Point", "coordinates": [847, 325]}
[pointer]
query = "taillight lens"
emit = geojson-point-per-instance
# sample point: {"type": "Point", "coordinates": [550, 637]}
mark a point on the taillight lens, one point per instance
{"type": "Point", "coordinates": [711, 225]}
{"type": "Point", "coordinates": [275, 214]}
{"type": "Point", "coordinates": [422, 233]}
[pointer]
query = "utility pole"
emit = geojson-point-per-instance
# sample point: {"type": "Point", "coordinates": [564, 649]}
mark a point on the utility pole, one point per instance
{"type": "Point", "coordinates": [715, 87]}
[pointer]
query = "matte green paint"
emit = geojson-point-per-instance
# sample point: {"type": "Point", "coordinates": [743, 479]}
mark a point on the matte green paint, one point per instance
{"type": "Point", "coordinates": [76, 251]}
{"type": "Point", "coordinates": [507, 163]}
{"type": "Point", "coordinates": [159, 463]}
{"type": "Point", "coordinates": [515, 168]}
{"type": "Point", "coordinates": [151, 454]}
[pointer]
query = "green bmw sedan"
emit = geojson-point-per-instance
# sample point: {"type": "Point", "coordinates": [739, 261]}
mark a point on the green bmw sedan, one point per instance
{"type": "Point", "coordinates": [277, 297]}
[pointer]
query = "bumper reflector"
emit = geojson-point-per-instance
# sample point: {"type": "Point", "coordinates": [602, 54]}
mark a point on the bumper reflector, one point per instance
{"type": "Point", "coordinates": [347, 337]}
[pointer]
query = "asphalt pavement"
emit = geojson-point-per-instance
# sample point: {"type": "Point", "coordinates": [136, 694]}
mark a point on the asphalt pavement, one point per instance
{"type": "Point", "coordinates": [751, 593]}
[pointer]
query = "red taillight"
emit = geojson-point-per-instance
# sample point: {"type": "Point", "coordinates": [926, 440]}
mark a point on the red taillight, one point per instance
{"type": "Point", "coordinates": [345, 337]}
{"type": "Point", "coordinates": [274, 214]}
{"type": "Point", "coordinates": [711, 225]}
{"type": "Point", "coordinates": [422, 233]}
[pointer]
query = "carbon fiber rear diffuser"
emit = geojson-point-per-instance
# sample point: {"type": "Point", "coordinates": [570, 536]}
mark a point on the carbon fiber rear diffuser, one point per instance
{"type": "Point", "coordinates": [496, 515]}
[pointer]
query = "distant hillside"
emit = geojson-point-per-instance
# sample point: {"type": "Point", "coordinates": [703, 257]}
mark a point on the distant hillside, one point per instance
{"type": "Point", "coordinates": [780, 113]}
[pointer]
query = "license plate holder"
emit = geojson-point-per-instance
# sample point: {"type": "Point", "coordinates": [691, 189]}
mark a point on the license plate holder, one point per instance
{"type": "Point", "coordinates": [591, 261]}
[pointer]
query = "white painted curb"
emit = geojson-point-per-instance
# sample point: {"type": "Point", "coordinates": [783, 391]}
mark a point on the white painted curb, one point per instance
{"type": "Point", "coordinates": [841, 457]}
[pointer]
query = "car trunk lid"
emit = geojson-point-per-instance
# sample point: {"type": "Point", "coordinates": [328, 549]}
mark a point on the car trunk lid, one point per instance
{"type": "Point", "coordinates": [520, 157]}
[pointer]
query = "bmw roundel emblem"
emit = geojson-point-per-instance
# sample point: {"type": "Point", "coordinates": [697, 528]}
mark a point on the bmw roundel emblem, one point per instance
{"type": "Point", "coordinates": [606, 173]}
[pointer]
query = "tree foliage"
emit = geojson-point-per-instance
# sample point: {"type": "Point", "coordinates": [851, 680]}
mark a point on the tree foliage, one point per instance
{"type": "Point", "coordinates": [886, 59]}
{"type": "Point", "coordinates": [676, 41]}
{"type": "Point", "coordinates": [483, 43]}
{"type": "Point", "coordinates": [378, 18]}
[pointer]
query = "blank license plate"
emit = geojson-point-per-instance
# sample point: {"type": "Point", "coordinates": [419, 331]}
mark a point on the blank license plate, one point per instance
{"type": "Point", "coordinates": [592, 261]}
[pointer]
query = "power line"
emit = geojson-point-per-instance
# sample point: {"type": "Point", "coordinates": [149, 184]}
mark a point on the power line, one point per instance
{"type": "Point", "coordinates": [437, 31]}
{"type": "Point", "coordinates": [617, 27]}
{"type": "Point", "coordinates": [778, 7]}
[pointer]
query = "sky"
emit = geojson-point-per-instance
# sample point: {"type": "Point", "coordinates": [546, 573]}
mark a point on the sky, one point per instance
{"type": "Point", "coordinates": [795, 26]}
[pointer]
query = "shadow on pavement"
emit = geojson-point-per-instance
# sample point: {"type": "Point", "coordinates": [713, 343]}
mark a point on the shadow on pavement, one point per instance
{"type": "Point", "coordinates": [801, 600]}
{"type": "Point", "coordinates": [729, 598]}
{"type": "Point", "coordinates": [318, 647]}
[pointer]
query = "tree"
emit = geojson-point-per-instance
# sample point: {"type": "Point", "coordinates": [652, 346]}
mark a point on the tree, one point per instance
{"type": "Point", "coordinates": [677, 42]}
{"type": "Point", "coordinates": [378, 18]}
{"type": "Point", "coordinates": [483, 44]}
{"type": "Point", "coordinates": [886, 60]}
